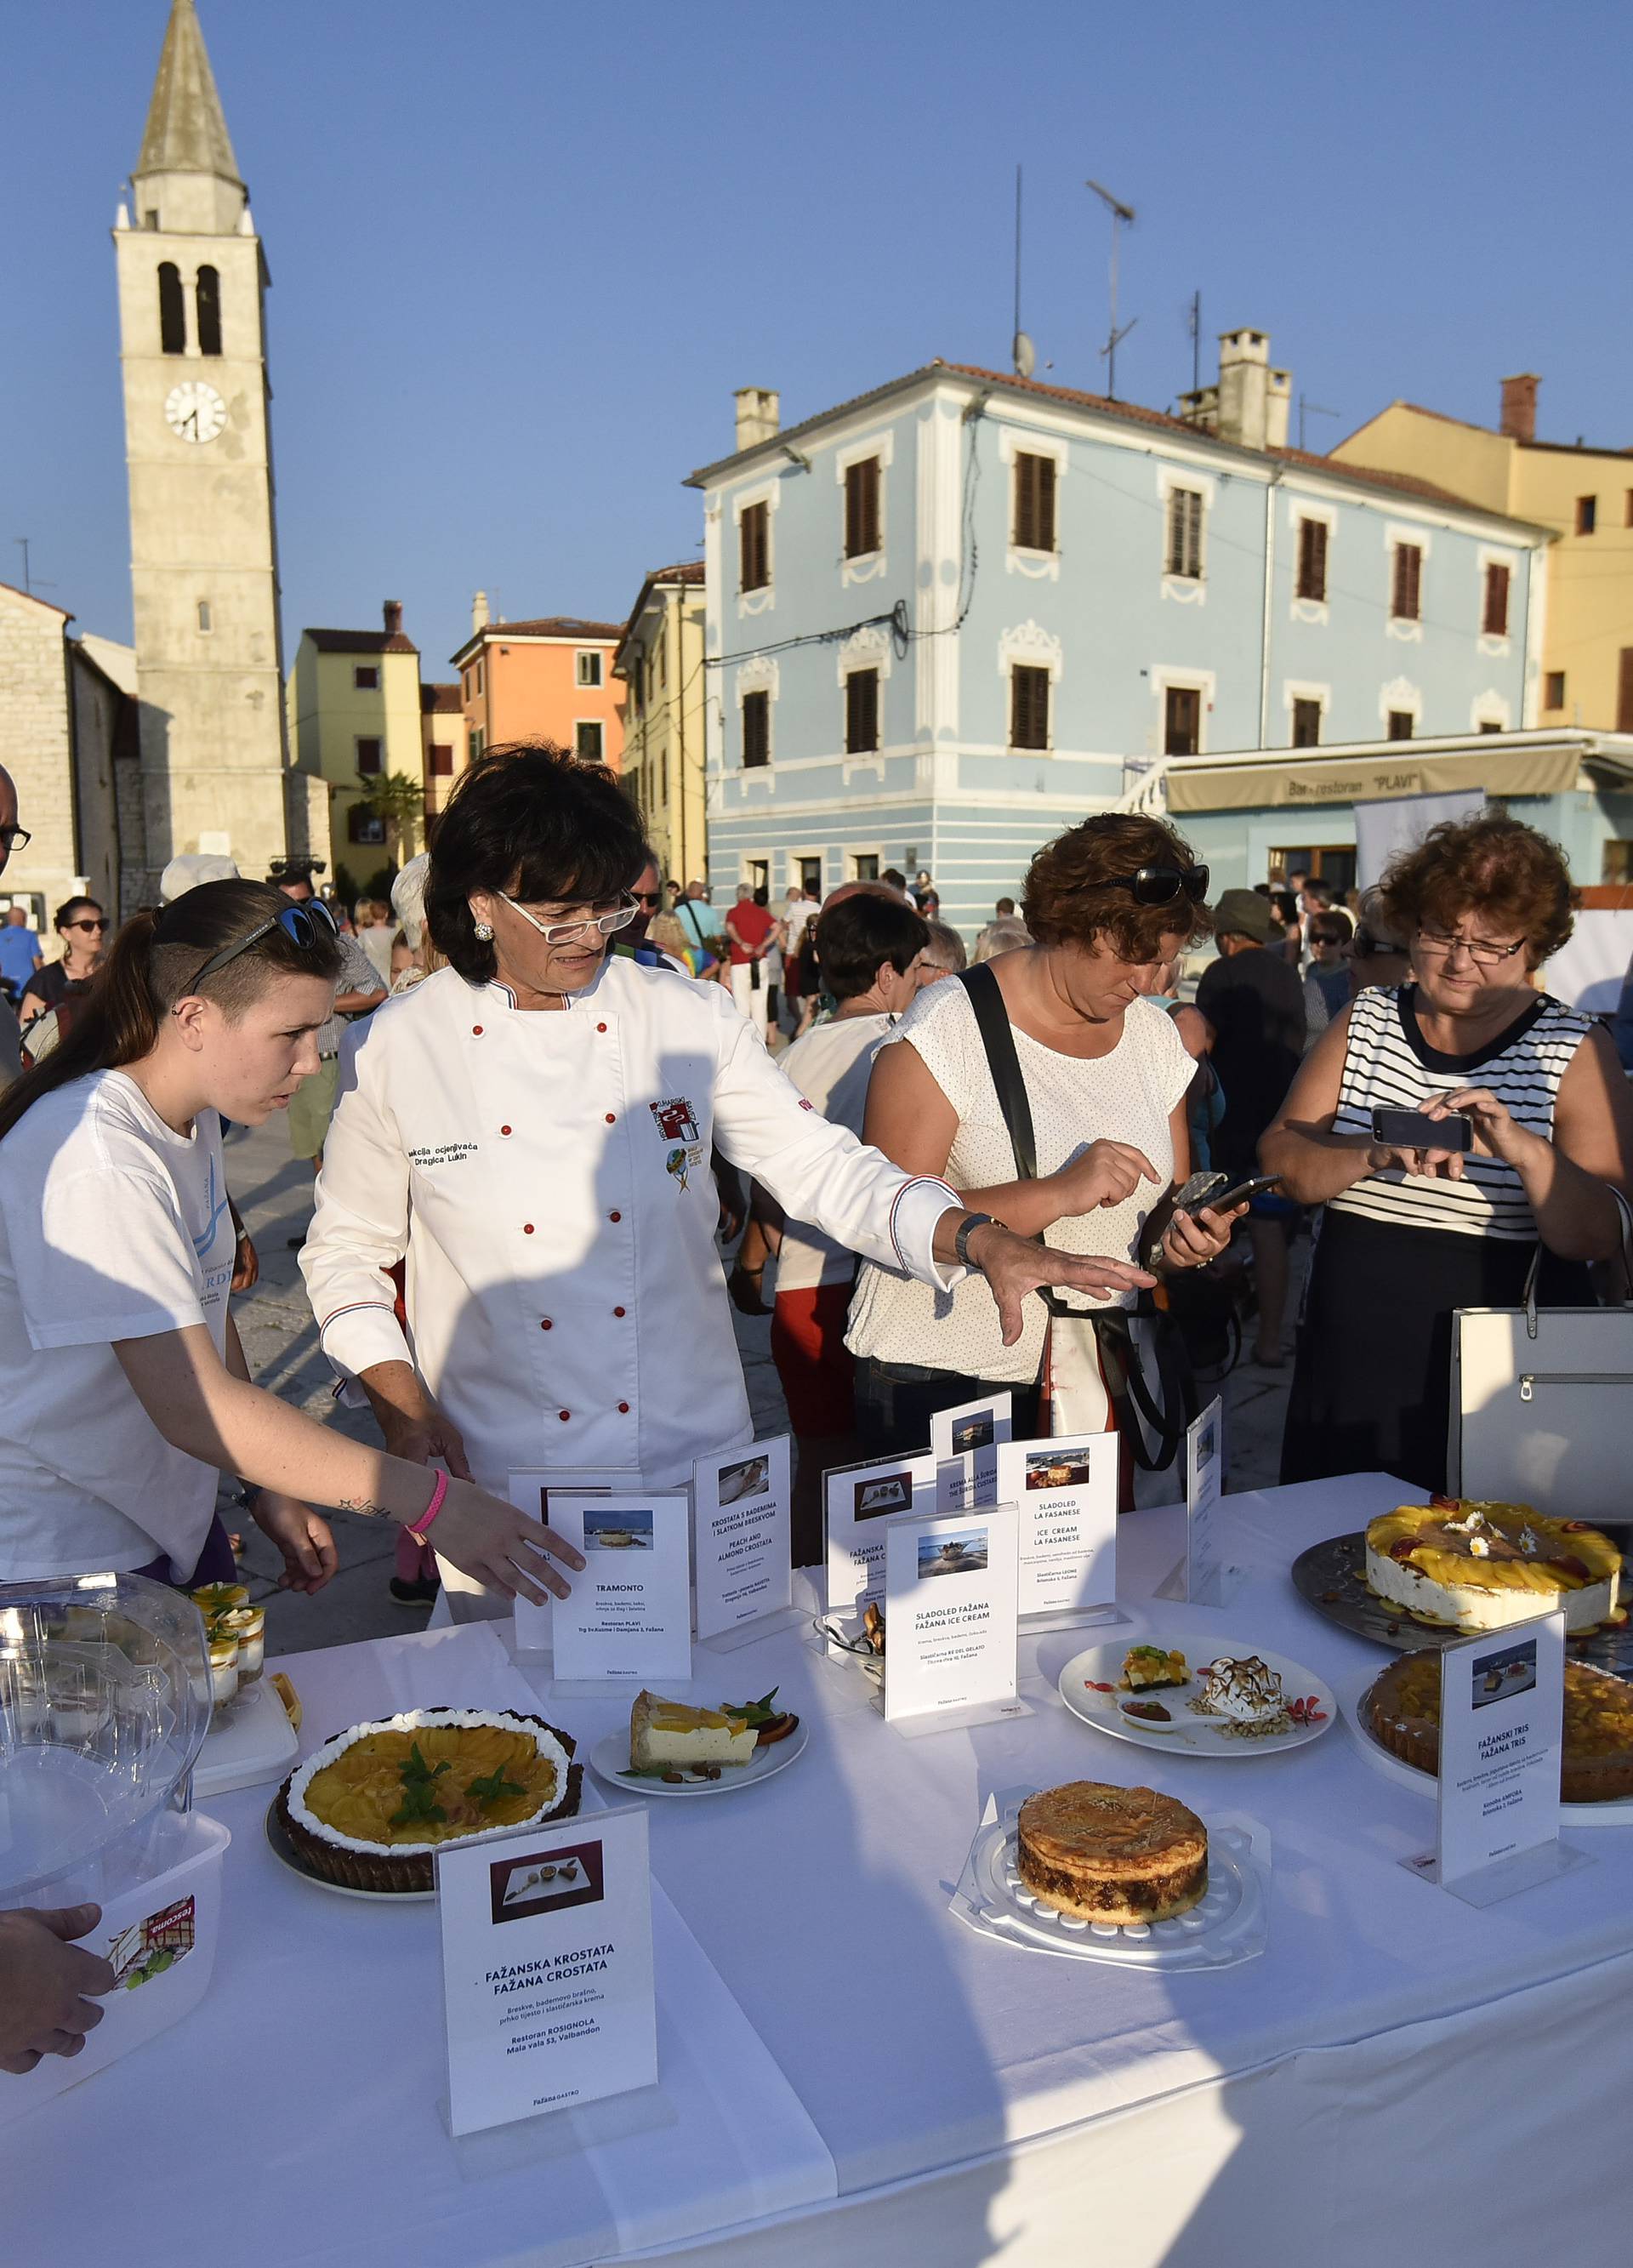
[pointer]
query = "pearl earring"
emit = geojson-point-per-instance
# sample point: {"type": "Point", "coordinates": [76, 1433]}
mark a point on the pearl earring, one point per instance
{"type": "Point", "coordinates": [484, 932]}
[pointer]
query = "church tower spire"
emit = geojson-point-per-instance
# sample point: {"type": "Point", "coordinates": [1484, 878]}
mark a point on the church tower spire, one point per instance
{"type": "Point", "coordinates": [203, 546]}
{"type": "Point", "coordinates": [187, 174]}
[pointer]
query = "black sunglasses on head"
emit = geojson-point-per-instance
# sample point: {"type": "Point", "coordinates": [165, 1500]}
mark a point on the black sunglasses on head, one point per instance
{"type": "Point", "coordinates": [307, 926]}
{"type": "Point", "coordinates": [1159, 885]}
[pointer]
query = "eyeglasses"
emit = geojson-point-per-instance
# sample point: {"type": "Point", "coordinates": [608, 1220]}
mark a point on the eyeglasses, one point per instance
{"type": "Point", "coordinates": [563, 933]}
{"type": "Point", "coordinates": [1481, 950]}
{"type": "Point", "coordinates": [1327, 937]}
{"type": "Point", "coordinates": [1159, 885]}
{"type": "Point", "coordinates": [310, 927]}
{"type": "Point", "coordinates": [15, 838]}
{"type": "Point", "coordinates": [87, 924]}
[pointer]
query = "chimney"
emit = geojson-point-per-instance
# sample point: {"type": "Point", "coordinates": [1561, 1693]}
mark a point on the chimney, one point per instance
{"type": "Point", "coordinates": [759, 415]}
{"type": "Point", "coordinates": [1253, 398]}
{"type": "Point", "coordinates": [479, 613]}
{"type": "Point", "coordinates": [1519, 420]}
{"type": "Point", "coordinates": [393, 612]}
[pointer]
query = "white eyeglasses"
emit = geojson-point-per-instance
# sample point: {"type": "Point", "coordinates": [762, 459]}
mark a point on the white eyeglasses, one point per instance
{"type": "Point", "coordinates": [563, 933]}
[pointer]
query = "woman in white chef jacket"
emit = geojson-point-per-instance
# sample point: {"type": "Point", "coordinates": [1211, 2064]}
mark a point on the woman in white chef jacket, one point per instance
{"type": "Point", "coordinates": [531, 1127]}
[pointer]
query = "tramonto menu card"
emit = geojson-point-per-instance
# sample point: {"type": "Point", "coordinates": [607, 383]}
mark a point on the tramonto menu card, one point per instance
{"type": "Point", "coordinates": [547, 1965]}
{"type": "Point", "coordinates": [629, 1614]}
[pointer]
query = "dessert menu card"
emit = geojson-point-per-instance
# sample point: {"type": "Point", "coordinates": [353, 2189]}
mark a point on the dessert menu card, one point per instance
{"type": "Point", "coordinates": [629, 1616]}
{"type": "Point", "coordinates": [1502, 1704]}
{"type": "Point", "coordinates": [742, 1564]}
{"type": "Point", "coordinates": [964, 1442]}
{"type": "Point", "coordinates": [530, 1492]}
{"type": "Point", "coordinates": [950, 1592]}
{"type": "Point", "coordinates": [1065, 1494]}
{"type": "Point", "coordinates": [1204, 1484]}
{"type": "Point", "coordinates": [547, 1968]}
{"type": "Point", "coordinates": [858, 1500]}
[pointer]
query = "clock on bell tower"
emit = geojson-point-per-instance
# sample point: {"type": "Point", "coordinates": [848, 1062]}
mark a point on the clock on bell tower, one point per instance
{"type": "Point", "coordinates": [203, 549]}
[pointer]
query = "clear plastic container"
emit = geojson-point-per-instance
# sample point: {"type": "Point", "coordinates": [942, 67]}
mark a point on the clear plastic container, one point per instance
{"type": "Point", "coordinates": [103, 1704]}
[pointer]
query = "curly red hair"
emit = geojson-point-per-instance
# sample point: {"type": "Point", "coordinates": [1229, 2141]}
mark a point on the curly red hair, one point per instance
{"type": "Point", "coordinates": [1071, 895]}
{"type": "Point", "coordinates": [1514, 879]}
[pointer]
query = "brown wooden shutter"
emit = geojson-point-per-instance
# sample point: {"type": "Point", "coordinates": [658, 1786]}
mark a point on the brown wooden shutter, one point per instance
{"type": "Point", "coordinates": [1183, 721]}
{"type": "Point", "coordinates": [757, 729]}
{"type": "Point", "coordinates": [862, 508]}
{"type": "Point", "coordinates": [1624, 691]}
{"type": "Point", "coordinates": [1408, 565]}
{"type": "Point", "coordinates": [755, 548]}
{"type": "Point", "coordinates": [1184, 533]}
{"type": "Point", "coordinates": [1496, 622]}
{"type": "Point", "coordinates": [1045, 501]}
{"type": "Point", "coordinates": [1029, 707]}
{"type": "Point", "coordinates": [1312, 559]}
{"type": "Point", "coordinates": [861, 712]}
{"type": "Point", "coordinates": [1035, 502]}
{"type": "Point", "coordinates": [1306, 720]}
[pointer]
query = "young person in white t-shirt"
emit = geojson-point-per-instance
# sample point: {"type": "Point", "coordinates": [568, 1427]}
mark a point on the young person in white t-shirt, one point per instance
{"type": "Point", "coordinates": [124, 1393]}
{"type": "Point", "coordinates": [874, 952]}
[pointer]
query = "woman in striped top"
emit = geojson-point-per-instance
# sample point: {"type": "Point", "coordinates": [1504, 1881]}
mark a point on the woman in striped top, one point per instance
{"type": "Point", "coordinates": [1408, 1236]}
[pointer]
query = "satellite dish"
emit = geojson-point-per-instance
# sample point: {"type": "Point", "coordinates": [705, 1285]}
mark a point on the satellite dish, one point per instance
{"type": "Point", "coordinates": [1024, 356]}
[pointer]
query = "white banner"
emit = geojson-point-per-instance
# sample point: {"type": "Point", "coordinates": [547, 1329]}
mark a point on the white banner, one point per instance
{"type": "Point", "coordinates": [1397, 823]}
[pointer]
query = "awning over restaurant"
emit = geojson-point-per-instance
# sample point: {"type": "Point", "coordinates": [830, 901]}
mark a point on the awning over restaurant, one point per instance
{"type": "Point", "coordinates": [1502, 770]}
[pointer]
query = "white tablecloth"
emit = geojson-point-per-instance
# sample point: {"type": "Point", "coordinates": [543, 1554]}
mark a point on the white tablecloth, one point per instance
{"type": "Point", "coordinates": [294, 2117]}
{"type": "Point", "coordinates": [1398, 2072]}
{"type": "Point", "coordinates": [1401, 2076]}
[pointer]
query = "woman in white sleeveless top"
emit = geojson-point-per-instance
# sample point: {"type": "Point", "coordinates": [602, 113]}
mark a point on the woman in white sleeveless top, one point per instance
{"type": "Point", "coordinates": [1107, 1076]}
{"type": "Point", "coordinates": [1407, 1237]}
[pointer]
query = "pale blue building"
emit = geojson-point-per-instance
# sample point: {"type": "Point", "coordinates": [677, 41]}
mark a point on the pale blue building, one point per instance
{"type": "Point", "coordinates": [951, 616]}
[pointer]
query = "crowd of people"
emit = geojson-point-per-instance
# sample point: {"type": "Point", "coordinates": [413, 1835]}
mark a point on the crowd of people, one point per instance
{"type": "Point", "coordinates": [538, 1091]}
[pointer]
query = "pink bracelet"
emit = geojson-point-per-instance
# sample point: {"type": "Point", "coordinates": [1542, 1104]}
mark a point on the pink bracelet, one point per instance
{"type": "Point", "coordinates": [417, 1528]}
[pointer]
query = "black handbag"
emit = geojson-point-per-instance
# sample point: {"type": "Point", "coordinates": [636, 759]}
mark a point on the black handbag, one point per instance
{"type": "Point", "coordinates": [1166, 1414]}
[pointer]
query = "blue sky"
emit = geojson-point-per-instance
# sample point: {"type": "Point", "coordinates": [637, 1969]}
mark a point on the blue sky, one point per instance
{"type": "Point", "coordinates": [522, 254]}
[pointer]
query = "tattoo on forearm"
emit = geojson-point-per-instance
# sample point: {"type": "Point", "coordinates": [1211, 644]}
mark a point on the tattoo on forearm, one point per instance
{"type": "Point", "coordinates": [364, 1505]}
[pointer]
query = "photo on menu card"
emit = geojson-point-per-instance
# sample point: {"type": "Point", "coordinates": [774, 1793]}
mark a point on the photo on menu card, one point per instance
{"type": "Point", "coordinates": [953, 1554]}
{"type": "Point", "coordinates": [1495, 1676]}
{"type": "Point", "coordinates": [883, 1494]}
{"type": "Point", "coordinates": [751, 1477]}
{"type": "Point", "coordinates": [624, 1531]}
{"type": "Point", "coordinates": [544, 1880]}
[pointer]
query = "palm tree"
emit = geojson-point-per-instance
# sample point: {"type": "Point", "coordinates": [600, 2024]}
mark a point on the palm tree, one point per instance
{"type": "Point", "coordinates": [397, 798]}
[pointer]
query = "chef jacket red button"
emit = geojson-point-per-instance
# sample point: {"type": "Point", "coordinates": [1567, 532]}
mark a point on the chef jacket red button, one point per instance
{"type": "Point", "coordinates": [545, 1323]}
{"type": "Point", "coordinates": [527, 1228]}
{"type": "Point", "coordinates": [612, 1118]}
{"type": "Point", "coordinates": [504, 1130]}
{"type": "Point", "coordinates": [623, 1409]}
{"type": "Point", "coordinates": [618, 1311]}
{"type": "Point", "coordinates": [615, 1216]}
{"type": "Point", "coordinates": [476, 1031]}
{"type": "Point", "coordinates": [563, 1415]}
{"type": "Point", "coordinates": [601, 1027]}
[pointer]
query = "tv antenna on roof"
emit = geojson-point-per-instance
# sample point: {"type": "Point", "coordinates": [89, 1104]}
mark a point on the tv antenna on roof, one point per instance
{"type": "Point", "coordinates": [1023, 354]}
{"type": "Point", "coordinates": [1122, 217]}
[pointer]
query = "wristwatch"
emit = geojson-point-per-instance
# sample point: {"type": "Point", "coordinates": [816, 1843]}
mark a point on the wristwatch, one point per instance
{"type": "Point", "coordinates": [966, 1229]}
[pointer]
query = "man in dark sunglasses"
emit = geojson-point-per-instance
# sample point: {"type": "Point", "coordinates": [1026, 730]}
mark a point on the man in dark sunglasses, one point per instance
{"type": "Point", "coordinates": [647, 890]}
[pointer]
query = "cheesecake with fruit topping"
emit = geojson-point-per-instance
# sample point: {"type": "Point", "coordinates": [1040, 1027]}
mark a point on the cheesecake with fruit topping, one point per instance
{"type": "Point", "coordinates": [670, 1736]}
{"type": "Point", "coordinates": [1480, 1566]}
{"type": "Point", "coordinates": [370, 1806]}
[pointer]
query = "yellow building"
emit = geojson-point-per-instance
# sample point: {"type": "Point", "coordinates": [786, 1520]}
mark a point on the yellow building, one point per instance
{"type": "Point", "coordinates": [660, 659]}
{"type": "Point", "coordinates": [355, 715]}
{"type": "Point", "coordinates": [1585, 495]}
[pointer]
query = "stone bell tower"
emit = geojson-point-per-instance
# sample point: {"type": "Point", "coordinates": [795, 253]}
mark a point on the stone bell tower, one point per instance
{"type": "Point", "coordinates": [203, 549]}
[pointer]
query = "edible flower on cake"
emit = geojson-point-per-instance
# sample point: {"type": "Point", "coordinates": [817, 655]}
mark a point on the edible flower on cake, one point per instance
{"type": "Point", "coordinates": [1479, 1565]}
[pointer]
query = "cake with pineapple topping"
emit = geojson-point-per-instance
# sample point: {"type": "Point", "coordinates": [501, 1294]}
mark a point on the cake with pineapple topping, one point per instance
{"type": "Point", "coordinates": [1480, 1566]}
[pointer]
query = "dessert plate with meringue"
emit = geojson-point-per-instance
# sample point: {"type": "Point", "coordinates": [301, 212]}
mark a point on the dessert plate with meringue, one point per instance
{"type": "Point", "coordinates": [1219, 1697]}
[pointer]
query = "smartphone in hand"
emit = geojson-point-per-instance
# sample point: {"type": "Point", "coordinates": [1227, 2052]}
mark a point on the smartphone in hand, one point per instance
{"type": "Point", "coordinates": [1414, 1130]}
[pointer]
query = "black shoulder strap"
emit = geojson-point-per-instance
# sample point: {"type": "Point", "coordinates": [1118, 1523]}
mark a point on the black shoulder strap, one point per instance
{"type": "Point", "coordinates": [992, 1022]}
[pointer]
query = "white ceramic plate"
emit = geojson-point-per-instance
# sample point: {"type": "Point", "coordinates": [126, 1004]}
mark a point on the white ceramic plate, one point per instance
{"type": "Point", "coordinates": [609, 1760]}
{"type": "Point", "coordinates": [1186, 1733]}
{"type": "Point", "coordinates": [1352, 1691]}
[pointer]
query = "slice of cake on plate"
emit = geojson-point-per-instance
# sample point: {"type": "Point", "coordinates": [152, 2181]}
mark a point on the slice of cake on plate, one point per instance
{"type": "Point", "coordinates": [671, 1736]}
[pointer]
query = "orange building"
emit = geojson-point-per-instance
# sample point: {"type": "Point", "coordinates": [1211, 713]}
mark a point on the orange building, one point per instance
{"type": "Point", "coordinates": [547, 680]}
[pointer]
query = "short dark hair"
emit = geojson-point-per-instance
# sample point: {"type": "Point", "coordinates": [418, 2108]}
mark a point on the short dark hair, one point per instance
{"type": "Point", "coordinates": [853, 936]}
{"type": "Point", "coordinates": [70, 907]}
{"type": "Point", "coordinates": [894, 874]}
{"type": "Point", "coordinates": [1005, 906]}
{"type": "Point", "coordinates": [1071, 894]}
{"type": "Point", "coordinates": [532, 821]}
{"type": "Point", "coordinates": [1332, 921]}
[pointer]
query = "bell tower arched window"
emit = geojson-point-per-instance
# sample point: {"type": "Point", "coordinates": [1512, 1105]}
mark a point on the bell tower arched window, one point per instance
{"type": "Point", "coordinates": [207, 298]}
{"type": "Point", "coordinates": [173, 313]}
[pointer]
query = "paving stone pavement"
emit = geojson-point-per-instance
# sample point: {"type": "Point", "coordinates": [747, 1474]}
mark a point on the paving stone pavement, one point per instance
{"type": "Point", "coordinates": [274, 1194]}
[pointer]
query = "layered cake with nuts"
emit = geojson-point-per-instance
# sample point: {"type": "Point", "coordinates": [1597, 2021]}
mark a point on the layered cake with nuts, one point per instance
{"type": "Point", "coordinates": [1481, 1566]}
{"type": "Point", "coordinates": [1111, 1854]}
{"type": "Point", "coordinates": [370, 1806]}
{"type": "Point", "coordinates": [1402, 1711]}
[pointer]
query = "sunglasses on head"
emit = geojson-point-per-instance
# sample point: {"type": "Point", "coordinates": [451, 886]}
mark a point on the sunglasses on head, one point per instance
{"type": "Point", "coordinates": [309, 927]}
{"type": "Point", "coordinates": [1161, 885]}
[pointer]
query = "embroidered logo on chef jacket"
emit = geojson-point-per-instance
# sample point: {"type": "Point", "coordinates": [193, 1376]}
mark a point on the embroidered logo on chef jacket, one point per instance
{"type": "Point", "coordinates": [681, 1162]}
{"type": "Point", "coordinates": [677, 1121]}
